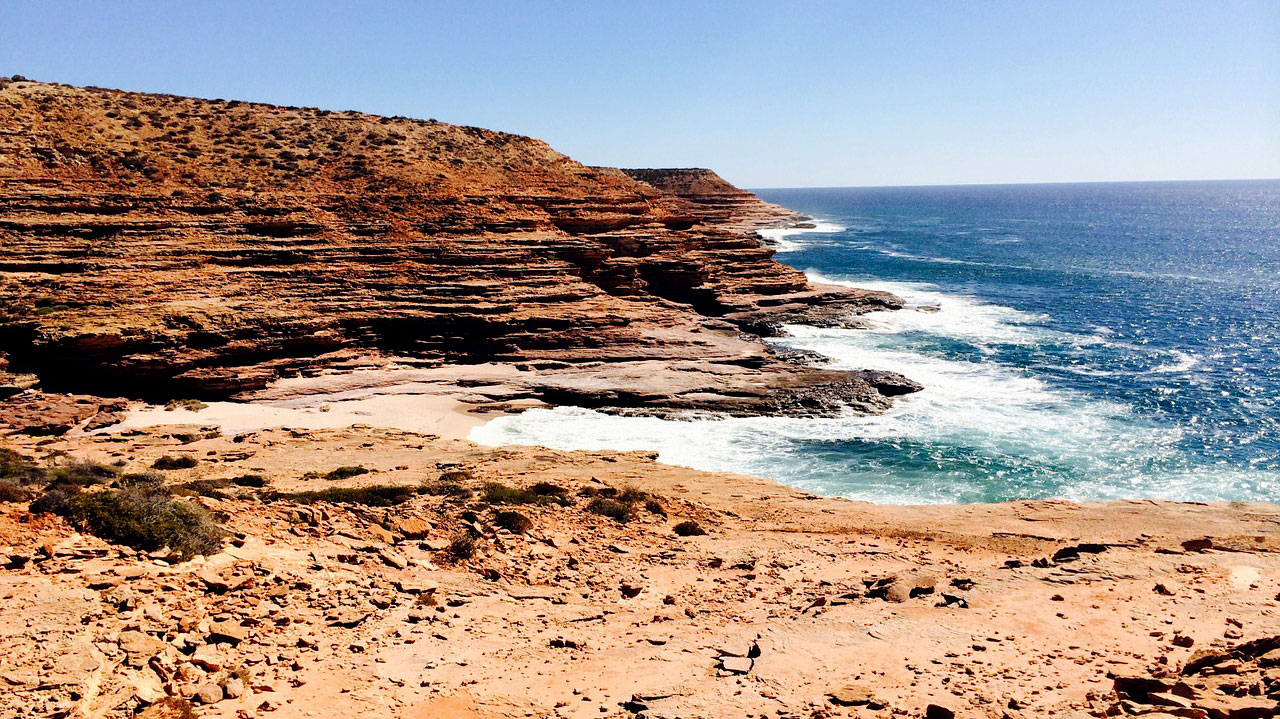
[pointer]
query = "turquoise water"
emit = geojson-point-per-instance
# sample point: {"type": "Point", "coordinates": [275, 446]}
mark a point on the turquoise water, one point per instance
{"type": "Point", "coordinates": [1091, 341]}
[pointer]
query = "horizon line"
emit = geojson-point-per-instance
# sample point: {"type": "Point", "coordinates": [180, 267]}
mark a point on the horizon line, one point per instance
{"type": "Point", "coordinates": [1015, 184]}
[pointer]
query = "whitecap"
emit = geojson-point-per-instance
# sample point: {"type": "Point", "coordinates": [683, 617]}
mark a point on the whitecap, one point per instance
{"type": "Point", "coordinates": [777, 237]}
{"type": "Point", "coordinates": [1183, 362]}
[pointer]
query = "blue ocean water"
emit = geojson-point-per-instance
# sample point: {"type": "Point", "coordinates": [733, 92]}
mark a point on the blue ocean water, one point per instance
{"type": "Point", "coordinates": [1078, 341]}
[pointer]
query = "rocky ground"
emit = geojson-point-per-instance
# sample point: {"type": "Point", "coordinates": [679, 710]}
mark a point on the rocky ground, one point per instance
{"type": "Point", "coordinates": [789, 605]}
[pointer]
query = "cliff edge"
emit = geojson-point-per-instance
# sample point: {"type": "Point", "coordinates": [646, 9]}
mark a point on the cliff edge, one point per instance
{"type": "Point", "coordinates": [158, 246]}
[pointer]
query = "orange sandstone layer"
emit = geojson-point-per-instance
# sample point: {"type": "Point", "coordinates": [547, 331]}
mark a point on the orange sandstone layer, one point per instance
{"type": "Point", "coordinates": [161, 246]}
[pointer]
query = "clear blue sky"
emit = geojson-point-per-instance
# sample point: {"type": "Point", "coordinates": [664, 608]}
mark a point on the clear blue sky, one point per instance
{"type": "Point", "coordinates": [771, 94]}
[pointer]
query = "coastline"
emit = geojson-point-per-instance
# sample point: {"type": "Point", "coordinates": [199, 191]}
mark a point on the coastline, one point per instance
{"type": "Point", "coordinates": [404, 571]}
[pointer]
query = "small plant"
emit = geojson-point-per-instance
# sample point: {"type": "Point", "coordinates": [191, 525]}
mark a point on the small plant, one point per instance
{"type": "Point", "coordinates": [249, 480]}
{"type": "Point", "coordinates": [512, 521]}
{"type": "Point", "coordinates": [171, 462]}
{"type": "Point", "coordinates": [340, 473]}
{"type": "Point", "coordinates": [82, 472]}
{"type": "Point", "coordinates": [142, 517]}
{"type": "Point", "coordinates": [204, 488]}
{"type": "Point", "coordinates": [191, 405]}
{"type": "Point", "coordinates": [462, 547]}
{"type": "Point", "coordinates": [631, 495]}
{"type": "Point", "coordinates": [11, 491]}
{"type": "Point", "coordinates": [498, 493]}
{"type": "Point", "coordinates": [374, 496]}
{"type": "Point", "coordinates": [612, 508]}
{"type": "Point", "coordinates": [547, 489]}
{"type": "Point", "coordinates": [18, 467]}
{"type": "Point", "coordinates": [55, 500]}
{"type": "Point", "coordinates": [689, 528]}
{"type": "Point", "coordinates": [456, 475]}
{"type": "Point", "coordinates": [138, 479]}
{"type": "Point", "coordinates": [446, 488]}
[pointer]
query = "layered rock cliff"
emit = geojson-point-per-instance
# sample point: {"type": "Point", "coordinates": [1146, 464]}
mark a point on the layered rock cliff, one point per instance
{"type": "Point", "coordinates": [157, 245]}
{"type": "Point", "coordinates": [714, 199]}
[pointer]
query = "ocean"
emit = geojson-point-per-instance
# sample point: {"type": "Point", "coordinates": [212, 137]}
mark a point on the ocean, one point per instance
{"type": "Point", "coordinates": [1090, 342]}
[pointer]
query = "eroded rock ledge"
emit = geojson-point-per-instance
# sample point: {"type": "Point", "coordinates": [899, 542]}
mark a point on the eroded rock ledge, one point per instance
{"type": "Point", "coordinates": [160, 246]}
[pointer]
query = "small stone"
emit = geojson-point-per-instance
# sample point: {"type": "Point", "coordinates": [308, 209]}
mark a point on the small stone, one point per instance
{"type": "Point", "coordinates": [140, 646]}
{"type": "Point", "coordinates": [736, 665]}
{"type": "Point", "coordinates": [852, 695]}
{"type": "Point", "coordinates": [226, 632]}
{"type": "Point", "coordinates": [738, 649]}
{"type": "Point", "coordinates": [208, 657]}
{"type": "Point", "coordinates": [392, 559]}
{"type": "Point", "coordinates": [147, 687]}
{"type": "Point", "coordinates": [904, 586]}
{"type": "Point", "coordinates": [412, 527]}
{"type": "Point", "coordinates": [1167, 700]}
{"type": "Point", "coordinates": [234, 688]}
{"type": "Point", "coordinates": [208, 693]}
{"type": "Point", "coordinates": [380, 534]}
{"type": "Point", "coordinates": [168, 708]}
{"type": "Point", "coordinates": [937, 711]}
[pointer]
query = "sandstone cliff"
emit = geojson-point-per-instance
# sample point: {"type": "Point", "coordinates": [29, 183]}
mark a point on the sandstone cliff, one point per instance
{"type": "Point", "coordinates": [714, 199]}
{"type": "Point", "coordinates": [157, 245]}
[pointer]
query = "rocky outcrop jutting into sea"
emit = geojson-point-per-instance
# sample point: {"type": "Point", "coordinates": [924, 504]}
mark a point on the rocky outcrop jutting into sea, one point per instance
{"type": "Point", "coordinates": [159, 245]}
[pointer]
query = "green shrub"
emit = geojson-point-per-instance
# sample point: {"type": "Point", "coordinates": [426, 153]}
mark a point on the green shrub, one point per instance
{"type": "Point", "coordinates": [145, 517]}
{"type": "Point", "coordinates": [11, 491]}
{"type": "Point", "coordinates": [456, 475]}
{"type": "Point", "coordinates": [19, 468]}
{"type": "Point", "coordinates": [140, 479]}
{"type": "Point", "coordinates": [193, 405]}
{"type": "Point", "coordinates": [339, 473]}
{"type": "Point", "coordinates": [447, 488]}
{"type": "Point", "coordinates": [689, 528]}
{"type": "Point", "coordinates": [631, 495]}
{"type": "Point", "coordinates": [55, 499]}
{"type": "Point", "coordinates": [512, 521]}
{"type": "Point", "coordinates": [612, 508]}
{"type": "Point", "coordinates": [205, 488]}
{"type": "Point", "coordinates": [179, 462]}
{"type": "Point", "coordinates": [374, 496]}
{"type": "Point", "coordinates": [249, 480]}
{"type": "Point", "coordinates": [462, 547]}
{"type": "Point", "coordinates": [547, 489]}
{"type": "Point", "coordinates": [498, 493]}
{"type": "Point", "coordinates": [83, 473]}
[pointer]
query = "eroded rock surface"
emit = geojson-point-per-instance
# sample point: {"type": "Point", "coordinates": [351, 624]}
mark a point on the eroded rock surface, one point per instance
{"type": "Point", "coordinates": [164, 246]}
{"type": "Point", "coordinates": [788, 605]}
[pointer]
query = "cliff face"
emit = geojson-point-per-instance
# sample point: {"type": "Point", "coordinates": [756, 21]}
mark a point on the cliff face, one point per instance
{"type": "Point", "coordinates": [714, 199]}
{"type": "Point", "coordinates": [160, 245]}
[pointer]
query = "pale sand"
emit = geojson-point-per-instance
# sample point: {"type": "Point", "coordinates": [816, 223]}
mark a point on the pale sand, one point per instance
{"type": "Point", "coordinates": [437, 414]}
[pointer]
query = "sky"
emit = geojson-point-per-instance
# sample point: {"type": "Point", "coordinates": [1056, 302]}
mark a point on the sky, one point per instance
{"type": "Point", "coordinates": [769, 94]}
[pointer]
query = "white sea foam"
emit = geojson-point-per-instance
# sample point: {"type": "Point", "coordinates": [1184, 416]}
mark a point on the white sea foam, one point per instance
{"type": "Point", "coordinates": [988, 410]}
{"type": "Point", "coordinates": [778, 236]}
{"type": "Point", "coordinates": [929, 310]}
{"type": "Point", "coordinates": [979, 430]}
{"type": "Point", "coordinates": [1182, 362]}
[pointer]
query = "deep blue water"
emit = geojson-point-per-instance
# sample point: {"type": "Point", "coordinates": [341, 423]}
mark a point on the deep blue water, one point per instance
{"type": "Point", "coordinates": [1090, 341]}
